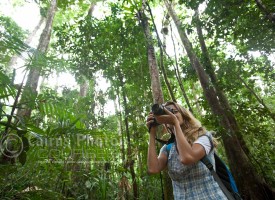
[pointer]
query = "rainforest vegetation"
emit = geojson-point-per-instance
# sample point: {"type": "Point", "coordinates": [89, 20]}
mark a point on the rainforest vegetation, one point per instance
{"type": "Point", "coordinates": [215, 57]}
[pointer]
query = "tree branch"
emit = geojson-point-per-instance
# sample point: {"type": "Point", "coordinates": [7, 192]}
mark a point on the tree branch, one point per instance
{"type": "Point", "coordinates": [271, 114]}
{"type": "Point", "coordinates": [262, 7]}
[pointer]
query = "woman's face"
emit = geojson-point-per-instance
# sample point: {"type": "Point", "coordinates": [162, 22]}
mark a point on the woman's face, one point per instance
{"type": "Point", "coordinates": [176, 113]}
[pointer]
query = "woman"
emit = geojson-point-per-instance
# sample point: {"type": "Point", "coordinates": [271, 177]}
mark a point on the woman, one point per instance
{"type": "Point", "coordinates": [191, 179]}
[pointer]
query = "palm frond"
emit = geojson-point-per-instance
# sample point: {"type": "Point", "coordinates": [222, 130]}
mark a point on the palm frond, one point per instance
{"type": "Point", "coordinates": [6, 88]}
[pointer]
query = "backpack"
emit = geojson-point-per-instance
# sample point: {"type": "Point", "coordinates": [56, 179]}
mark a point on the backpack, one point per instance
{"type": "Point", "coordinates": [222, 175]}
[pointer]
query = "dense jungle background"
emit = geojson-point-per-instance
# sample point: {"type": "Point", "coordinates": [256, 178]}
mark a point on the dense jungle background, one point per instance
{"type": "Point", "coordinates": [76, 89]}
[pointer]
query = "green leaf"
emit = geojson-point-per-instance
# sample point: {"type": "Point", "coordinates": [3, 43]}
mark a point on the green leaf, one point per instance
{"type": "Point", "coordinates": [88, 184]}
{"type": "Point", "coordinates": [26, 145]}
{"type": "Point", "coordinates": [21, 133]}
{"type": "Point", "coordinates": [35, 129]}
{"type": "Point", "coordinates": [22, 158]}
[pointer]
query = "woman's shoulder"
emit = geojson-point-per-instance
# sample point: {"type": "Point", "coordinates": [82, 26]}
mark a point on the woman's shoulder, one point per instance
{"type": "Point", "coordinates": [206, 140]}
{"type": "Point", "coordinates": [206, 134]}
{"type": "Point", "coordinates": [164, 149]}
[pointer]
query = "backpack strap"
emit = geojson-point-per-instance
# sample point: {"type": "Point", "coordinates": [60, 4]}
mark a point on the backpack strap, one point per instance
{"type": "Point", "coordinates": [168, 148]}
{"type": "Point", "coordinates": [209, 165]}
{"type": "Point", "coordinates": [169, 143]}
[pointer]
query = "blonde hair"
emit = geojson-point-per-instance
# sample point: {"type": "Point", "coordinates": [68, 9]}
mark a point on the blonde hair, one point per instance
{"type": "Point", "coordinates": [191, 127]}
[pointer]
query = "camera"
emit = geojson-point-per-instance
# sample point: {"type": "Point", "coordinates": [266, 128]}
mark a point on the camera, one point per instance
{"type": "Point", "coordinates": [158, 109]}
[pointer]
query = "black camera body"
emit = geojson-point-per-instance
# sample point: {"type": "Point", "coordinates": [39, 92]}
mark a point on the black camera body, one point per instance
{"type": "Point", "coordinates": [158, 109]}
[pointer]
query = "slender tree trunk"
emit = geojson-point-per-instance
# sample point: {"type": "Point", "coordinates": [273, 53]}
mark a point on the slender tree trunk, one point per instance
{"type": "Point", "coordinates": [34, 73]}
{"type": "Point", "coordinates": [130, 161]}
{"type": "Point", "coordinates": [120, 127]}
{"type": "Point", "coordinates": [28, 41]}
{"type": "Point", "coordinates": [153, 67]}
{"type": "Point", "coordinates": [155, 86]}
{"type": "Point", "coordinates": [76, 153]}
{"type": "Point", "coordinates": [35, 30]}
{"type": "Point", "coordinates": [176, 68]}
{"type": "Point", "coordinates": [261, 101]}
{"type": "Point", "coordinates": [56, 81]}
{"type": "Point", "coordinates": [177, 73]}
{"type": "Point", "coordinates": [7, 156]}
{"type": "Point", "coordinates": [248, 180]}
{"type": "Point", "coordinates": [123, 194]}
{"type": "Point", "coordinates": [210, 71]}
{"type": "Point", "coordinates": [84, 87]}
{"type": "Point", "coordinates": [168, 85]}
{"type": "Point", "coordinates": [269, 15]}
{"type": "Point", "coordinates": [196, 98]}
{"type": "Point", "coordinates": [91, 111]}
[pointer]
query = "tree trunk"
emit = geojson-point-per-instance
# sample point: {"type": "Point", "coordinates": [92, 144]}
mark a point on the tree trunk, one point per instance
{"type": "Point", "coordinates": [153, 67]}
{"type": "Point", "coordinates": [247, 179]}
{"type": "Point", "coordinates": [222, 98]}
{"type": "Point", "coordinates": [168, 85]}
{"type": "Point", "coordinates": [84, 87]}
{"type": "Point", "coordinates": [210, 71]}
{"type": "Point", "coordinates": [130, 160]}
{"type": "Point", "coordinates": [123, 194]}
{"type": "Point", "coordinates": [261, 101]}
{"type": "Point", "coordinates": [161, 47]}
{"type": "Point", "coordinates": [194, 90]}
{"type": "Point", "coordinates": [28, 41]}
{"type": "Point", "coordinates": [177, 73]}
{"type": "Point", "coordinates": [120, 130]}
{"type": "Point", "coordinates": [269, 15]}
{"type": "Point", "coordinates": [33, 77]}
{"type": "Point", "coordinates": [155, 86]}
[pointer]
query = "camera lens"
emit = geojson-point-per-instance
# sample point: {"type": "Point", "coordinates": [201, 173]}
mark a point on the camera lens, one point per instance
{"type": "Point", "coordinates": [158, 109]}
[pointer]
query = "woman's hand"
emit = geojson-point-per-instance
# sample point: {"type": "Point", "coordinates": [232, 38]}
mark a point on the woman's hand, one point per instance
{"type": "Point", "coordinates": [149, 121]}
{"type": "Point", "coordinates": [168, 118]}
{"type": "Point", "coordinates": [155, 163]}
